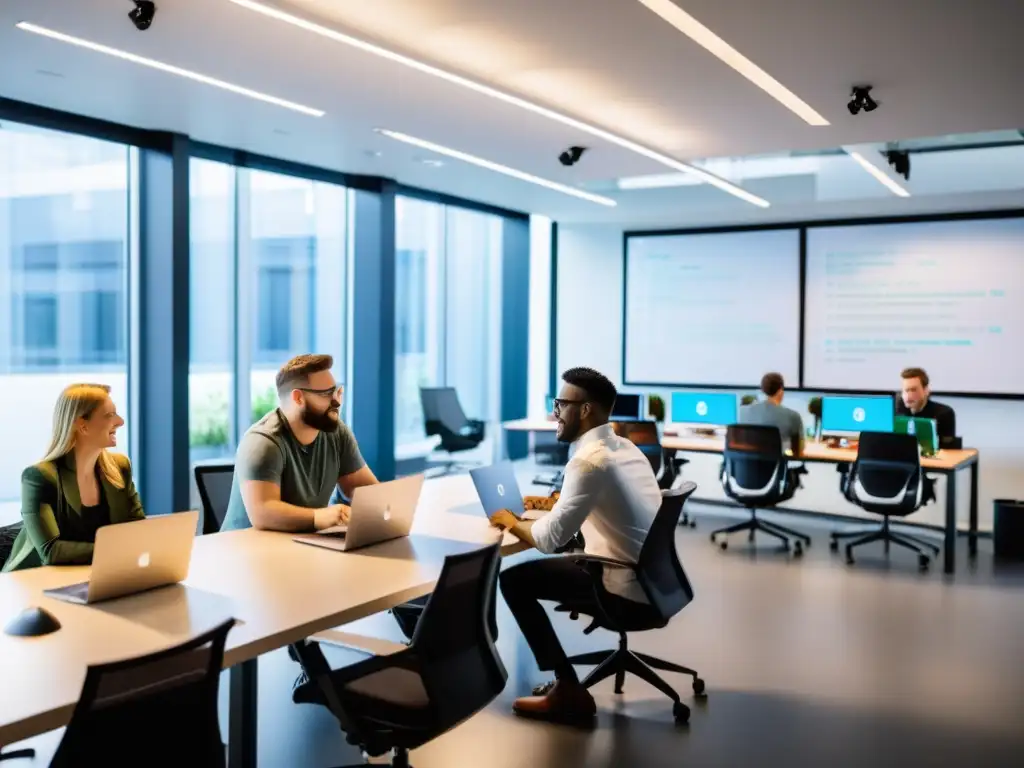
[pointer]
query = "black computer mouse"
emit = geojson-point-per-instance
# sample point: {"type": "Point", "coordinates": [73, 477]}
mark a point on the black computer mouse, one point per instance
{"type": "Point", "coordinates": [32, 622]}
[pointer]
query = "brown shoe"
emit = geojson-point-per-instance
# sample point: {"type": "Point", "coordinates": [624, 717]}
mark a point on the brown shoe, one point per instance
{"type": "Point", "coordinates": [568, 703]}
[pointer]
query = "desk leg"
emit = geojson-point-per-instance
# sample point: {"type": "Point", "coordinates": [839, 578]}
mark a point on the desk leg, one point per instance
{"type": "Point", "coordinates": [972, 541]}
{"type": "Point", "coordinates": [949, 554]}
{"type": "Point", "coordinates": [243, 702]}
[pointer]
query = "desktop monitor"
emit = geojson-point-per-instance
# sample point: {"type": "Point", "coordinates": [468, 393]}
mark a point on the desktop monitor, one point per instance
{"type": "Point", "coordinates": [925, 430]}
{"type": "Point", "coordinates": [717, 409]}
{"type": "Point", "coordinates": [856, 414]}
{"type": "Point", "coordinates": [628, 407]}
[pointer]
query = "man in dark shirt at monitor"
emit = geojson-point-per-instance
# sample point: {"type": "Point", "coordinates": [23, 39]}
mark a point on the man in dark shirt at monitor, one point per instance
{"type": "Point", "coordinates": [770, 412]}
{"type": "Point", "coordinates": [916, 401]}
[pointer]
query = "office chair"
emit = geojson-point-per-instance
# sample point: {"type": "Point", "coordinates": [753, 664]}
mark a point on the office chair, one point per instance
{"type": "Point", "coordinates": [668, 591]}
{"type": "Point", "coordinates": [756, 474]}
{"type": "Point", "coordinates": [443, 416]}
{"type": "Point", "coordinates": [549, 451]}
{"type": "Point", "coordinates": [213, 481]}
{"type": "Point", "coordinates": [8, 534]}
{"type": "Point", "coordinates": [644, 435]}
{"type": "Point", "coordinates": [163, 704]}
{"type": "Point", "coordinates": [886, 479]}
{"type": "Point", "coordinates": [451, 670]}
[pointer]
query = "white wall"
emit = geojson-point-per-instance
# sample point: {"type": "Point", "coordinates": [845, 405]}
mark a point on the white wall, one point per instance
{"type": "Point", "coordinates": [590, 333]}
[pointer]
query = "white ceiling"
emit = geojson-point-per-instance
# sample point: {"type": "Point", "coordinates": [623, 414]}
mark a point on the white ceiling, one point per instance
{"type": "Point", "coordinates": [938, 67]}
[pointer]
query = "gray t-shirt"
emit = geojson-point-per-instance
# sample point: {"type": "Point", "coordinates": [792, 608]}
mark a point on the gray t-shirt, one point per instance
{"type": "Point", "coordinates": [307, 474]}
{"type": "Point", "coordinates": [768, 414]}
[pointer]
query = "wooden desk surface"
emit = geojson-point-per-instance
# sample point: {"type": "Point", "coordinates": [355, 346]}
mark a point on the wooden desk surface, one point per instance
{"type": "Point", "coordinates": [945, 461]}
{"type": "Point", "coordinates": [279, 591]}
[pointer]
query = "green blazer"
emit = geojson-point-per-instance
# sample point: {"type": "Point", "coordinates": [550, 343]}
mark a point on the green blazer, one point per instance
{"type": "Point", "coordinates": [49, 507]}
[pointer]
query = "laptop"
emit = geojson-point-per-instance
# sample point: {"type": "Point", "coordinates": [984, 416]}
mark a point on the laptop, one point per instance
{"type": "Point", "coordinates": [134, 557]}
{"type": "Point", "coordinates": [380, 513]}
{"type": "Point", "coordinates": [498, 488]}
{"type": "Point", "coordinates": [925, 430]}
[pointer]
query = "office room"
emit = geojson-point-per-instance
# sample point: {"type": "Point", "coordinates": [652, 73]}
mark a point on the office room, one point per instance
{"type": "Point", "coordinates": [609, 383]}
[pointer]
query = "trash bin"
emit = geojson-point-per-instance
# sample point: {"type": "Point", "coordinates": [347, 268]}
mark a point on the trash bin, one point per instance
{"type": "Point", "coordinates": [1008, 529]}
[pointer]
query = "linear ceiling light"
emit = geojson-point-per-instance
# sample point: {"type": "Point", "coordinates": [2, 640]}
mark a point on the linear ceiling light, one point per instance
{"type": "Point", "coordinates": [491, 166]}
{"type": "Point", "coordinates": [170, 68]}
{"type": "Point", "coordinates": [878, 173]}
{"type": "Point", "coordinates": [508, 98]}
{"type": "Point", "coordinates": [715, 45]}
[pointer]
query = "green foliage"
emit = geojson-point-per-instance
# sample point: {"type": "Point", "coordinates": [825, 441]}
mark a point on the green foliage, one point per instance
{"type": "Point", "coordinates": [814, 407]}
{"type": "Point", "coordinates": [209, 420]}
{"type": "Point", "coordinates": [748, 399]}
{"type": "Point", "coordinates": [263, 403]}
{"type": "Point", "coordinates": [656, 407]}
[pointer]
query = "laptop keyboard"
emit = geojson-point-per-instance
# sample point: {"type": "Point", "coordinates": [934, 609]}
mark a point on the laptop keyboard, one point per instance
{"type": "Point", "coordinates": [80, 590]}
{"type": "Point", "coordinates": [335, 531]}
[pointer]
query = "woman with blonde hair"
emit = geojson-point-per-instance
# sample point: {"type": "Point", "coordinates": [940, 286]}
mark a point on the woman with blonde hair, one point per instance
{"type": "Point", "coordinates": [78, 487]}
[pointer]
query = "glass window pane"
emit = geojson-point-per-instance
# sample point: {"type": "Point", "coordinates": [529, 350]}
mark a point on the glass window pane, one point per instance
{"type": "Point", "coordinates": [298, 252]}
{"type": "Point", "coordinates": [211, 309]}
{"type": "Point", "coordinates": [63, 284]}
{"type": "Point", "coordinates": [419, 313]}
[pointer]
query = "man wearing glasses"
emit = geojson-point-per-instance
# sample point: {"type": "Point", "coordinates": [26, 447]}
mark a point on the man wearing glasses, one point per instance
{"type": "Point", "coordinates": [611, 493]}
{"type": "Point", "coordinates": [290, 462]}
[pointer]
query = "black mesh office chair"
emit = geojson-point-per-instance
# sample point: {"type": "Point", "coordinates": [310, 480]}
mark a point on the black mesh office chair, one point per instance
{"type": "Point", "coordinates": [756, 474]}
{"type": "Point", "coordinates": [443, 416]}
{"type": "Point", "coordinates": [8, 534]}
{"type": "Point", "coordinates": [213, 481]}
{"type": "Point", "coordinates": [450, 671]}
{"type": "Point", "coordinates": [162, 705]}
{"type": "Point", "coordinates": [668, 590]}
{"type": "Point", "coordinates": [644, 434]}
{"type": "Point", "coordinates": [548, 451]}
{"type": "Point", "coordinates": [886, 479]}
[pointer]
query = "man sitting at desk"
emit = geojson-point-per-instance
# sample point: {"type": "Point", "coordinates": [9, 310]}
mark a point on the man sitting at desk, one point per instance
{"type": "Point", "coordinates": [770, 412]}
{"type": "Point", "coordinates": [916, 401]}
{"type": "Point", "coordinates": [609, 489]}
{"type": "Point", "coordinates": [290, 462]}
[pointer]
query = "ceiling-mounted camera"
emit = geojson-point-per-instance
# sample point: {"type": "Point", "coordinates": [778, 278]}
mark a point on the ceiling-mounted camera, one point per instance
{"type": "Point", "coordinates": [900, 162]}
{"type": "Point", "coordinates": [571, 156]}
{"type": "Point", "coordinates": [860, 99]}
{"type": "Point", "coordinates": [142, 15]}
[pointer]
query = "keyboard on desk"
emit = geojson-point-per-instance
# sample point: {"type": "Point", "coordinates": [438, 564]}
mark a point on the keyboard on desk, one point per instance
{"type": "Point", "coordinates": [334, 532]}
{"type": "Point", "coordinates": [73, 593]}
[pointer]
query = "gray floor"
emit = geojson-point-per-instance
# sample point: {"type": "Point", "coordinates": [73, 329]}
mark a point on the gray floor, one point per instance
{"type": "Point", "coordinates": [808, 662]}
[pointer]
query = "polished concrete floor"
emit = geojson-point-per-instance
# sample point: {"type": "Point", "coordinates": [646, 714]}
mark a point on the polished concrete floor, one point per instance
{"type": "Point", "coordinates": [808, 662]}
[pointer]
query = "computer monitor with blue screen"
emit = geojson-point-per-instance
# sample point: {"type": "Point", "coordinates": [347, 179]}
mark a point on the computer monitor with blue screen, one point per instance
{"type": "Point", "coordinates": [855, 414]}
{"type": "Point", "coordinates": [628, 407]}
{"type": "Point", "coordinates": [717, 409]}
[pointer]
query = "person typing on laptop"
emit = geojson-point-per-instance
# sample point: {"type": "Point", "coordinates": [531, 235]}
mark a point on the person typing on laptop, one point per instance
{"type": "Point", "coordinates": [78, 487]}
{"type": "Point", "coordinates": [611, 492]}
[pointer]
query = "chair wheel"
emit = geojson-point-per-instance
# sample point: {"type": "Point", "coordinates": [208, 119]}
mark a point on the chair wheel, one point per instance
{"type": "Point", "coordinates": [923, 561]}
{"type": "Point", "coordinates": [724, 545]}
{"type": "Point", "coordinates": [849, 560]}
{"type": "Point", "coordinates": [712, 538]}
{"type": "Point", "coordinates": [693, 523]}
{"type": "Point", "coordinates": [833, 545]}
{"type": "Point", "coordinates": [698, 687]}
{"type": "Point", "coordinates": [798, 550]}
{"type": "Point", "coordinates": [681, 713]}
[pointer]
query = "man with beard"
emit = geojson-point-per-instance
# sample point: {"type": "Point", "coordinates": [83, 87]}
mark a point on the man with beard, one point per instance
{"type": "Point", "coordinates": [290, 462]}
{"type": "Point", "coordinates": [611, 492]}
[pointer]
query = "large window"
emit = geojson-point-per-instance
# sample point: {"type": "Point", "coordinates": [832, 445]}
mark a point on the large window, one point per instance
{"type": "Point", "coordinates": [447, 310]}
{"type": "Point", "coordinates": [64, 255]}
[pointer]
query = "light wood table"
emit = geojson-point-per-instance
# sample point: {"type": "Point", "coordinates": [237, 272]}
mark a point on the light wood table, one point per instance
{"type": "Point", "coordinates": [280, 592]}
{"type": "Point", "coordinates": [947, 463]}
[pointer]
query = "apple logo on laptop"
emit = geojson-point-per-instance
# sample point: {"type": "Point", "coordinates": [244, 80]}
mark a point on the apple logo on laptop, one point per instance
{"type": "Point", "coordinates": [501, 489]}
{"type": "Point", "coordinates": [144, 560]}
{"type": "Point", "coordinates": [387, 513]}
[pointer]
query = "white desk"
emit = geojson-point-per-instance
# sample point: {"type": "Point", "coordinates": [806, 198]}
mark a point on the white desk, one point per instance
{"type": "Point", "coordinates": [279, 591]}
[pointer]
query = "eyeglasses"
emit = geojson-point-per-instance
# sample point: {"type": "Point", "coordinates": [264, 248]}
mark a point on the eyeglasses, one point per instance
{"type": "Point", "coordinates": [337, 391]}
{"type": "Point", "coordinates": [559, 403]}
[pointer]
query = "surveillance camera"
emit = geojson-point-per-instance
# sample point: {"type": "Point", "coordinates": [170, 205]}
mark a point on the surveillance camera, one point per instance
{"type": "Point", "coordinates": [571, 156]}
{"type": "Point", "coordinates": [142, 15]}
{"type": "Point", "coordinates": [861, 100]}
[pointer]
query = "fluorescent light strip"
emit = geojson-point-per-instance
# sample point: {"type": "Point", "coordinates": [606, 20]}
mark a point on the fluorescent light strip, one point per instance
{"type": "Point", "coordinates": [153, 64]}
{"type": "Point", "coordinates": [715, 45]}
{"type": "Point", "coordinates": [508, 98]}
{"type": "Point", "coordinates": [878, 174]}
{"type": "Point", "coordinates": [479, 161]}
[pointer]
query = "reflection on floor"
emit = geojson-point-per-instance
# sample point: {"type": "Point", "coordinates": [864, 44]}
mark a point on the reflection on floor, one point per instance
{"type": "Point", "coordinates": [808, 662]}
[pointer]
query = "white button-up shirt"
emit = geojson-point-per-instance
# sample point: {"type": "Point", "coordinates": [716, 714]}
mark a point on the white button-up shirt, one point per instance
{"type": "Point", "coordinates": [611, 494]}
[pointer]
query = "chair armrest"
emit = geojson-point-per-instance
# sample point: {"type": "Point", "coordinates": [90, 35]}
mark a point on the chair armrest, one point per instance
{"type": "Point", "coordinates": [369, 646]}
{"type": "Point", "coordinates": [586, 560]}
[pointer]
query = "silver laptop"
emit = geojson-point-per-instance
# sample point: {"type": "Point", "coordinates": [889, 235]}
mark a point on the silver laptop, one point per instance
{"type": "Point", "coordinates": [379, 513]}
{"type": "Point", "coordinates": [497, 488]}
{"type": "Point", "coordinates": [133, 557]}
